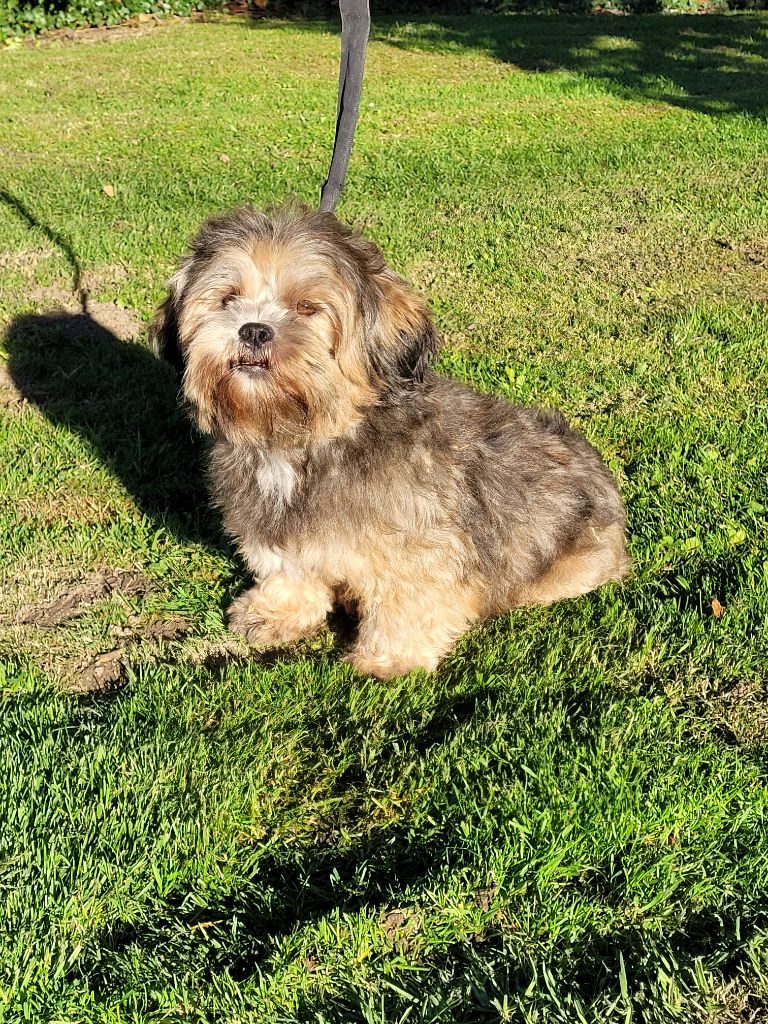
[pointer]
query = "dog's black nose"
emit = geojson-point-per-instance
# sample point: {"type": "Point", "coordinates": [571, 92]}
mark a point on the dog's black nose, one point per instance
{"type": "Point", "coordinates": [256, 334]}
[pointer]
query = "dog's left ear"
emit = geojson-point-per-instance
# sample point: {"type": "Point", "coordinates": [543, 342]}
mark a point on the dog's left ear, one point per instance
{"type": "Point", "coordinates": [404, 340]}
{"type": "Point", "coordinates": [164, 335]}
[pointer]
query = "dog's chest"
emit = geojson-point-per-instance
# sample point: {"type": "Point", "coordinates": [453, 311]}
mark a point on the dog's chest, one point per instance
{"type": "Point", "coordinates": [275, 477]}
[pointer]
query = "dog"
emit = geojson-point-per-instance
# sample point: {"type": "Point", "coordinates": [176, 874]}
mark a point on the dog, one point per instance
{"type": "Point", "coordinates": [347, 471]}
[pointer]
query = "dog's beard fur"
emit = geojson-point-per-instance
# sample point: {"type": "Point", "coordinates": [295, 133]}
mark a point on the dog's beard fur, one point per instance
{"type": "Point", "coordinates": [346, 330]}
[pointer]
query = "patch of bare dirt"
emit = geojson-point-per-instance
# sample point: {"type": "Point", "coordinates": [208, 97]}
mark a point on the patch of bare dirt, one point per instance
{"type": "Point", "coordinates": [123, 323]}
{"type": "Point", "coordinates": [9, 393]}
{"type": "Point", "coordinates": [485, 897]}
{"type": "Point", "coordinates": [754, 252]}
{"type": "Point", "coordinates": [27, 261]}
{"type": "Point", "coordinates": [401, 928]}
{"type": "Point", "coordinates": [157, 627]}
{"type": "Point", "coordinates": [161, 628]}
{"type": "Point", "coordinates": [216, 655]}
{"type": "Point", "coordinates": [103, 277]}
{"type": "Point", "coordinates": [649, 266]}
{"type": "Point", "coordinates": [24, 261]}
{"type": "Point", "coordinates": [78, 598]}
{"type": "Point", "coordinates": [48, 617]}
{"type": "Point", "coordinates": [133, 28]}
{"type": "Point", "coordinates": [140, 25]}
{"type": "Point", "coordinates": [107, 671]}
{"type": "Point", "coordinates": [743, 711]}
{"type": "Point", "coordinates": [101, 674]}
{"type": "Point", "coordinates": [54, 295]}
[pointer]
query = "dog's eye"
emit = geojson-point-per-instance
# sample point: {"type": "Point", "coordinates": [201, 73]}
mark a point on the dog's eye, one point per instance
{"type": "Point", "coordinates": [226, 299]}
{"type": "Point", "coordinates": [305, 308]}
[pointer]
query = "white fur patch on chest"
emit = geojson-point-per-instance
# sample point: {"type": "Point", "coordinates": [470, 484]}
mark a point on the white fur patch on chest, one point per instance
{"type": "Point", "coordinates": [262, 560]}
{"type": "Point", "coordinates": [276, 477]}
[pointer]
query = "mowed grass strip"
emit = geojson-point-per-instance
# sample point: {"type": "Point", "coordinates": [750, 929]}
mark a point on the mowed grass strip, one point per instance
{"type": "Point", "coordinates": [567, 822]}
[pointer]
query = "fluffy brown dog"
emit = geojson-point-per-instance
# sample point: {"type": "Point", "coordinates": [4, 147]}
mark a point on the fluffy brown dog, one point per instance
{"type": "Point", "coordinates": [347, 471]}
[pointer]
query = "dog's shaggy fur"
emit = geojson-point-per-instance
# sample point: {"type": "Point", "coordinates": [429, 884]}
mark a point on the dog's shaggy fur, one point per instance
{"type": "Point", "coordinates": [347, 471]}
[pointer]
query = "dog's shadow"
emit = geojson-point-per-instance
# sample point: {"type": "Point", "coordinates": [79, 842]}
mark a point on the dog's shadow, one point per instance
{"type": "Point", "coordinates": [120, 398]}
{"type": "Point", "coordinates": [123, 402]}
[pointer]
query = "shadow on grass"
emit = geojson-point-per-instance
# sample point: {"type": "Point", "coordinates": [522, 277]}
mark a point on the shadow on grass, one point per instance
{"type": "Point", "coordinates": [714, 64]}
{"type": "Point", "coordinates": [123, 401]}
{"type": "Point", "coordinates": [381, 873]}
{"type": "Point", "coordinates": [292, 884]}
{"type": "Point", "coordinates": [693, 585]}
{"type": "Point", "coordinates": [474, 981]}
{"type": "Point", "coordinates": [117, 396]}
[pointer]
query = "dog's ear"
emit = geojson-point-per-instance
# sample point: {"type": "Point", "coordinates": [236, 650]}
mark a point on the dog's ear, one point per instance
{"type": "Point", "coordinates": [395, 331]}
{"type": "Point", "coordinates": [404, 341]}
{"type": "Point", "coordinates": [164, 335]}
{"type": "Point", "coordinates": [420, 346]}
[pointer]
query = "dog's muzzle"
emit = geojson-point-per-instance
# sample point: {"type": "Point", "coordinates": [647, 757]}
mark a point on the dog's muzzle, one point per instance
{"type": "Point", "coordinates": [254, 347]}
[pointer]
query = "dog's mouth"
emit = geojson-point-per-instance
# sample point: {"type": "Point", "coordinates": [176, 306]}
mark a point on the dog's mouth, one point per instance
{"type": "Point", "coordinates": [250, 360]}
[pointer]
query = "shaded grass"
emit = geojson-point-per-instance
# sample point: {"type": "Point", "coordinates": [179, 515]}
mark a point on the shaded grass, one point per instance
{"type": "Point", "coordinates": [566, 823]}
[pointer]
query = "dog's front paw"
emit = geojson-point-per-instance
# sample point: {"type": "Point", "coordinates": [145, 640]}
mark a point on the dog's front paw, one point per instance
{"type": "Point", "coordinates": [245, 617]}
{"type": "Point", "coordinates": [279, 610]}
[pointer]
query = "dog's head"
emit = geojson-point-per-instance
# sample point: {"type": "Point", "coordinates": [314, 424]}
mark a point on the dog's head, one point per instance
{"type": "Point", "coordinates": [287, 326]}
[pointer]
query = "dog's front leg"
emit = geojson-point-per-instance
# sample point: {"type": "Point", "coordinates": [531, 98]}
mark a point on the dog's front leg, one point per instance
{"type": "Point", "coordinates": [402, 632]}
{"type": "Point", "coordinates": [280, 609]}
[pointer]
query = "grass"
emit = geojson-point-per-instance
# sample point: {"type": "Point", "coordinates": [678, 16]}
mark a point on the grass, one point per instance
{"type": "Point", "coordinates": [568, 822]}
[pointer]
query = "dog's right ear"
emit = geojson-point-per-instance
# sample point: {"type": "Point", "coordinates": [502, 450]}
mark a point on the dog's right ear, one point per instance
{"type": "Point", "coordinates": [164, 329]}
{"type": "Point", "coordinates": [403, 340]}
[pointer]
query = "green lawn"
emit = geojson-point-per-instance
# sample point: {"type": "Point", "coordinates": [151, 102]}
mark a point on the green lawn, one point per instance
{"type": "Point", "coordinates": [569, 822]}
